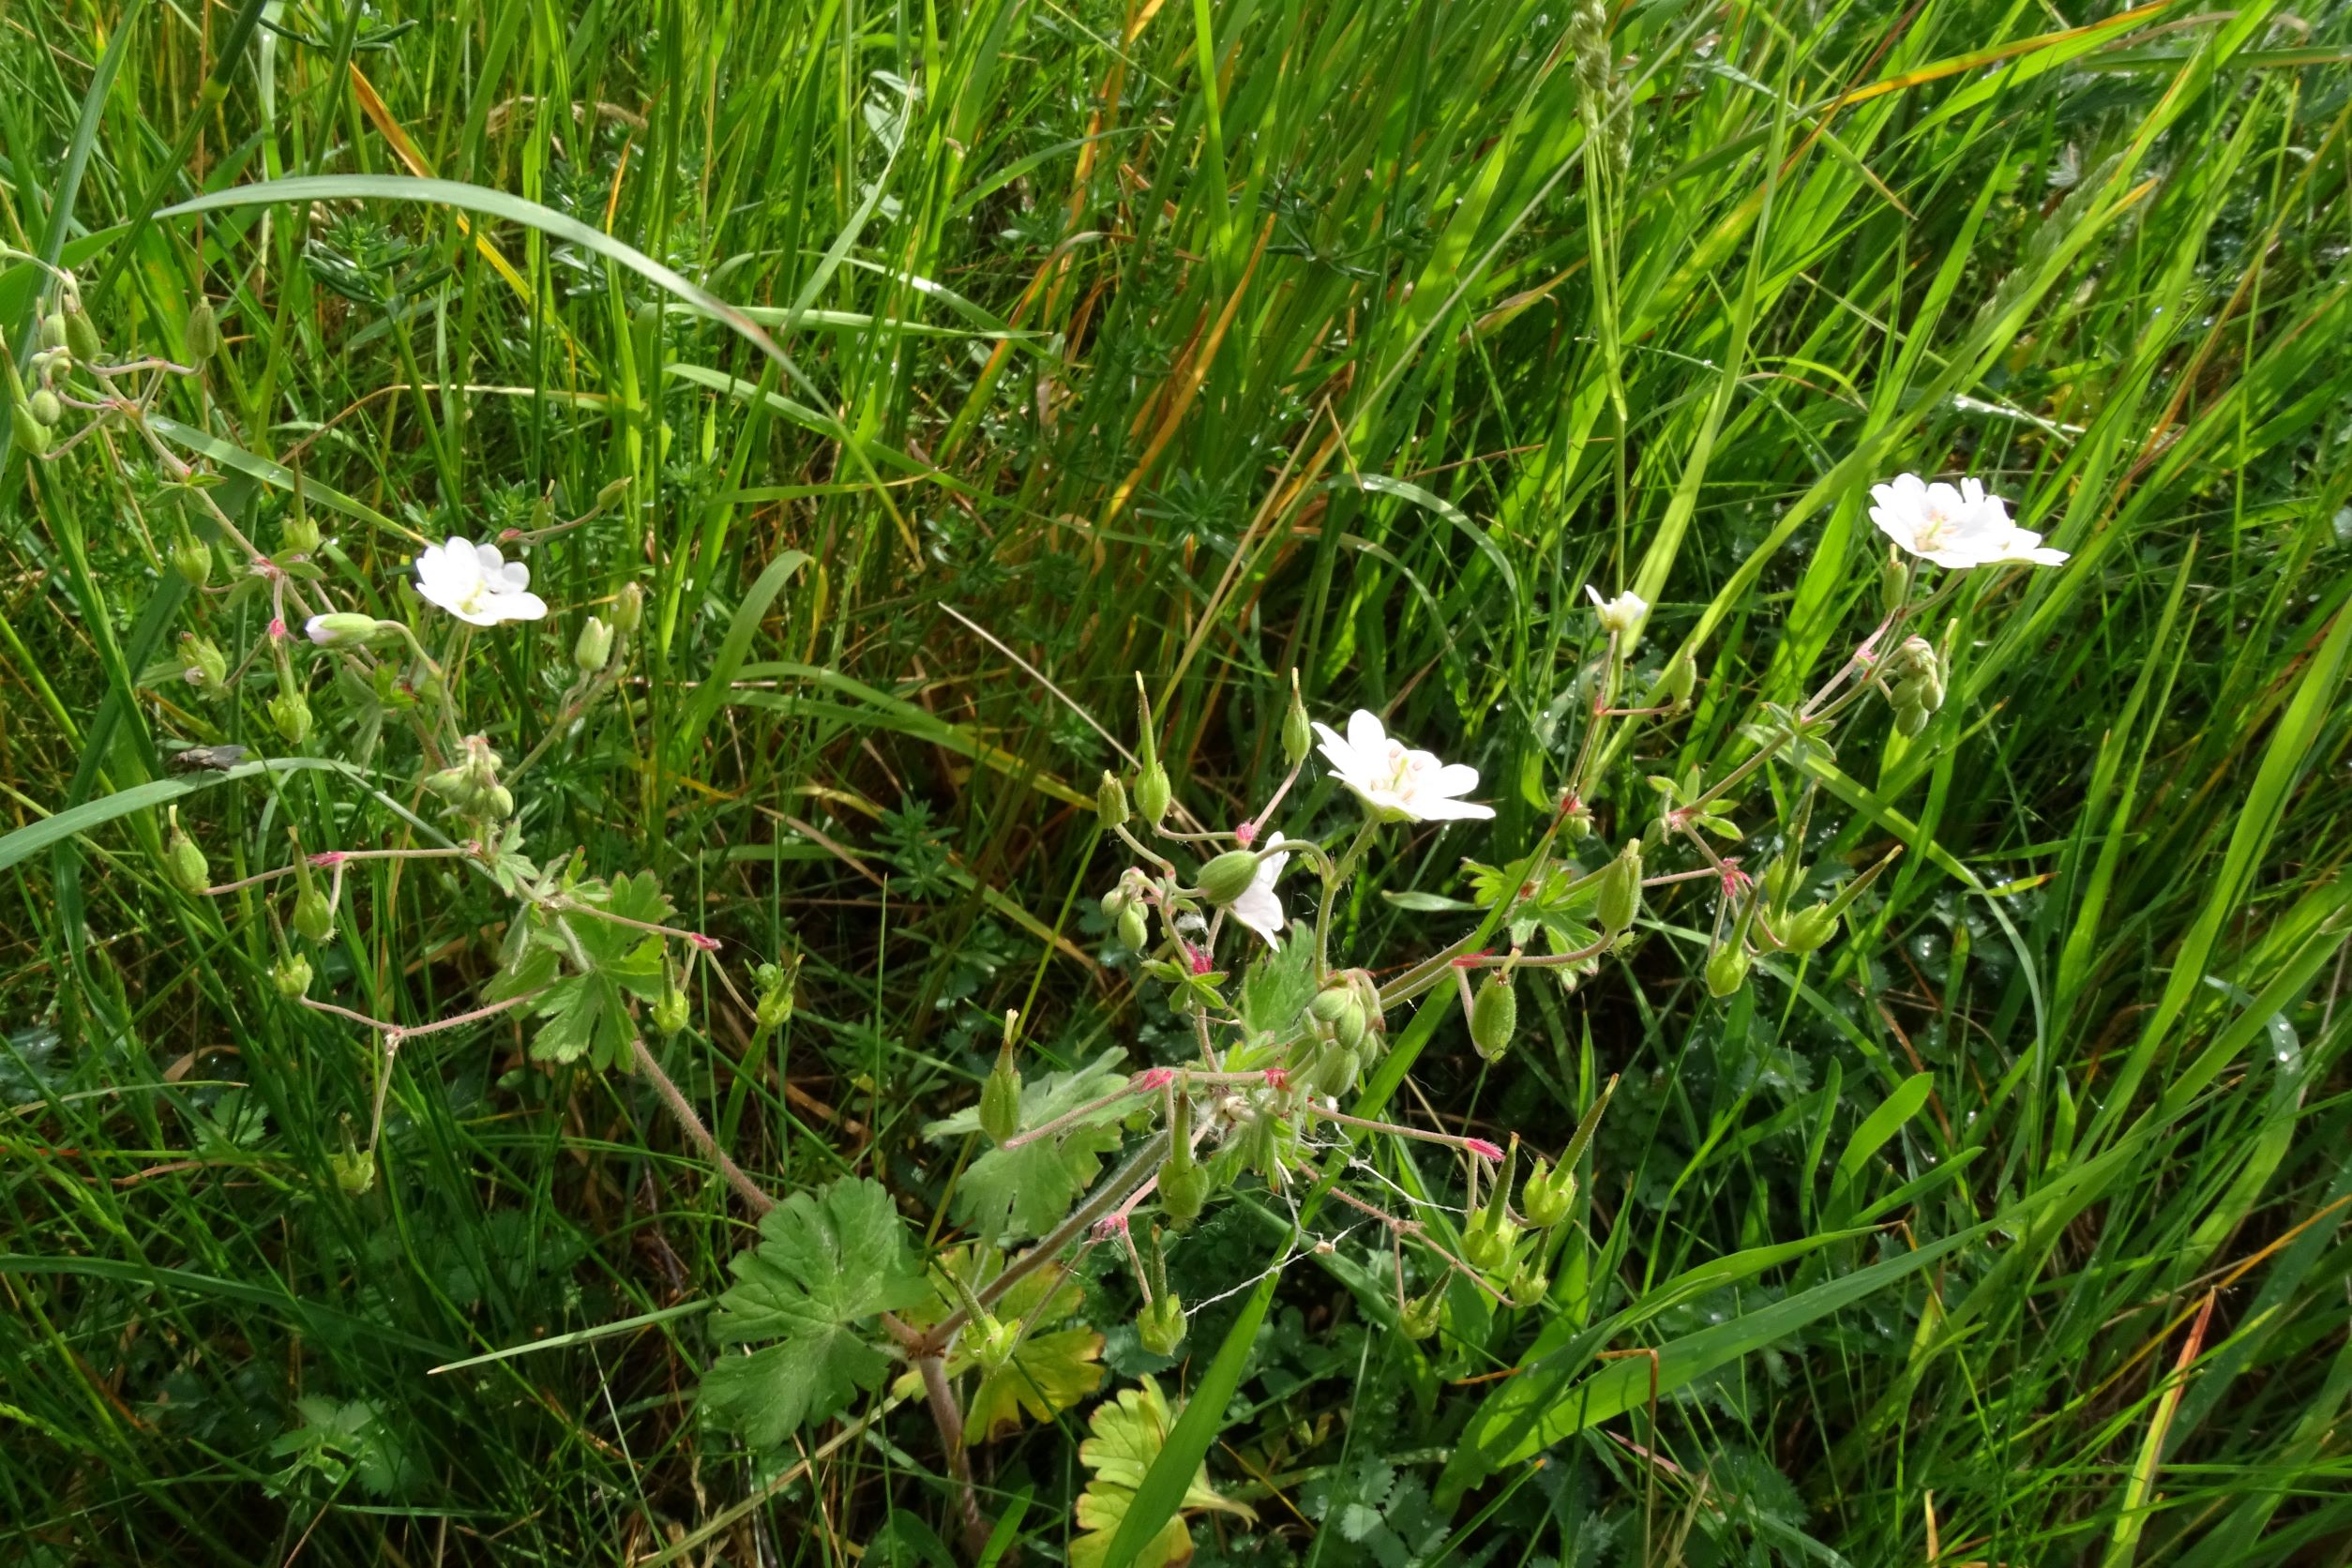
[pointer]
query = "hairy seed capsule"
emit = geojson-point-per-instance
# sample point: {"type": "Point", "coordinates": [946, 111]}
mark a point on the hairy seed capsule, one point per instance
{"type": "Point", "coordinates": [1154, 796]}
{"type": "Point", "coordinates": [1910, 719]}
{"type": "Point", "coordinates": [1298, 733]}
{"type": "Point", "coordinates": [1809, 928]}
{"type": "Point", "coordinates": [1546, 1196]}
{"type": "Point", "coordinates": [669, 1012]}
{"type": "Point", "coordinates": [192, 559]}
{"type": "Point", "coordinates": [1419, 1320]}
{"type": "Point", "coordinates": [30, 433]}
{"type": "Point", "coordinates": [289, 712]}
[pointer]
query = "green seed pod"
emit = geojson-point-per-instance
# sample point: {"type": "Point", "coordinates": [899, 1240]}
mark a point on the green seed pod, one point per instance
{"type": "Point", "coordinates": [292, 975]}
{"type": "Point", "coordinates": [1910, 719]}
{"type": "Point", "coordinates": [669, 1012]}
{"type": "Point", "coordinates": [1547, 1194]}
{"type": "Point", "coordinates": [498, 803]}
{"type": "Point", "coordinates": [1184, 1192]}
{"type": "Point", "coordinates": [1161, 1323]}
{"type": "Point", "coordinates": [313, 916]}
{"type": "Point", "coordinates": [1419, 1320]}
{"type": "Point", "coordinates": [52, 331]}
{"type": "Point", "coordinates": [354, 1171]}
{"type": "Point", "coordinates": [592, 650]}
{"type": "Point", "coordinates": [1134, 930]}
{"type": "Point", "coordinates": [1621, 890]}
{"type": "Point", "coordinates": [1228, 876]}
{"type": "Point", "coordinates": [298, 534]}
{"type": "Point", "coordinates": [1780, 880]}
{"type": "Point", "coordinates": [1528, 1284]}
{"type": "Point", "coordinates": [1487, 1242]}
{"type": "Point", "coordinates": [1110, 801]}
{"type": "Point", "coordinates": [81, 335]}
{"type": "Point", "coordinates": [192, 559]}
{"type": "Point", "coordinates": [1298, 733]}
{"type": "Point", "coordinates": [1000, 1098]}
{"type": "Point", "coordinates": [628, 610]}
{"type": "Point", "coordinates": [185, 863]}
{"type": "Point", "coordinates": [289, 712]}
{"type": "Point", "coordinates": [45, 407]}
{"type": "Point", "coordinates": [1493, 1019]}
{"type": "Point", "coordinates": [1727, 970]}
{"type": "Point", "coordinates": [776, 994]}
{"type": "Point", "coordinates": [993, 1342]}
{"type": "Point", "coordinates": [202, 662]}
{"type": "Point", "coordinates": [1809, 928]}
{"type": "Point", "coordinates": [30, 433]}
{"type": "Point", "coordinates": [1676, 682]}
{"type": "Point", "coordinates": [204, 332]}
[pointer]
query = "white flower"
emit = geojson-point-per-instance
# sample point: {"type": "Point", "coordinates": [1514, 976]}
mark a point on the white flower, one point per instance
{"type": "Point", "coordinates": [1396, 783]}
{"type": "Point", "coordinates": [476, 584]}
{"type": "Point", "coordinates": [1963, 527]}
{"type": "Point", "coordinates": [1259, 907]}
{"type": "Point", "coordinates": [1626, 615]}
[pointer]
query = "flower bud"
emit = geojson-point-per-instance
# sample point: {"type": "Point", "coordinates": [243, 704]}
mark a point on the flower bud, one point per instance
{"type": "Point", "coordinates": [45, 407]}
{"type": "Point", "coordinates": [1134, 930]}
{"type": "Point", "coordinates": [1809, 928]}
{"type": "Point", "coordinates": [292, 975]}
{"type": "Point", "coordinates": [1493, 1019]}
{"type": "Point", "coordinates": [202, 663]}
{"type": "Point", "coordinates": [1228, 876]}
{"type": "Point", "coordinates": [1001, 1097]}
{"type": "Point", "coordinates": [184, 862]}
{"type": "Point", "coordinates": [1727, 970]}
{"type": "Point", "coordinates": [1161, 1323]}
{"type": "Point", "coordinates": [1895, 583]}
{"type": "Point", "coordinates": [192, 559]}
{"type": "Point", "coordinates": [1621, 890]}
{"type": "Point", "coordinates": [30, 433]}
{"type": "Point", "coordinates": [1419, 1320]}
{"type": "Point", "coordinates": [52, 330]}
{"type": "Point", "coordinates": [1329, 1002]}
{"type": "Point", "coordinates": [1110, 801]}
{"type": "Point", "coordinates": [313, 916]}
{"type": "Point", "coordinates": [1547, 1194]}
{"type": "Point", "coordinates": [1298, 734]}
{"type": "Point", "coordinates": [611, 492]}
{"type": "Point", "coordinates": [669, 1012]}
{"type": "Point", "coordinates": [1334, 1071]}
{"type": "Point", "coordinates": [1910, 719]}
{"type": "Point", "coordinates": [1676, 682]}
{"type": "Point", "coordinates": [343, 630]}
{"type": "Point", "coordinates": [82, 333]}
{"type": "Point", "coordinates": [204, 332]}
{"type": "Point", "coordinates": [289, 712]}
{"type": "Point", "coordinates": [1576, 820]}
{"type": "Point", "coordinates": [594, 648]}
{"type": "Point", "coordinates": [628, 610]}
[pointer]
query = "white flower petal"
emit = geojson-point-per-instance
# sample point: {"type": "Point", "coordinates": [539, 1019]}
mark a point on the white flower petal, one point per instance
{"type": "Point", "coordinates": [1259, 907]}
{"type": "Point", "coordinates": [1454, 779]}
{"type": "Point", "coordinates": [491, 561]}
{"type": "Point", "coordinates": [1366, 736]}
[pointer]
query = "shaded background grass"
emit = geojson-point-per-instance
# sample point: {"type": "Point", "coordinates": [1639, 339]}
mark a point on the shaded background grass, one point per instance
{"type": "Point", "coordinates": [1210, 342]}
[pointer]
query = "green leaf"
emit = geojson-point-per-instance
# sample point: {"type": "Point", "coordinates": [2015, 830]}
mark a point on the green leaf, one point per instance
{"type": "Point", "coordinates": [35, 837]}
{"type": "Point", "coordinates": [1276, 989]}
{"type": "Point", "coordinates": [828, 1263]}
{"type": "Point", "coordinates": [1879, 1126]}
{"type": "Point", "coordinates": [1009, 1194]}
{"type": "Point", "coordinates": [1130, 1434]}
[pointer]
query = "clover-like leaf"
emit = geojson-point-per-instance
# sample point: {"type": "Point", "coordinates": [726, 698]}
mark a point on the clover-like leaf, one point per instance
{"type": "Point", "coordinates": [828, 1265]}
{"type": "Point", "coordinates": [1009, 1194]}
{"type": "Point", "coordinates": [1128, 1433]}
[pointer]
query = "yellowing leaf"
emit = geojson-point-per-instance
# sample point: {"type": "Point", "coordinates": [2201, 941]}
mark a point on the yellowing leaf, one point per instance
{"type": "Point", "coordinates": [1129, 1432]}
{"type": "Point", "coordinates": [1049, 1373]}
